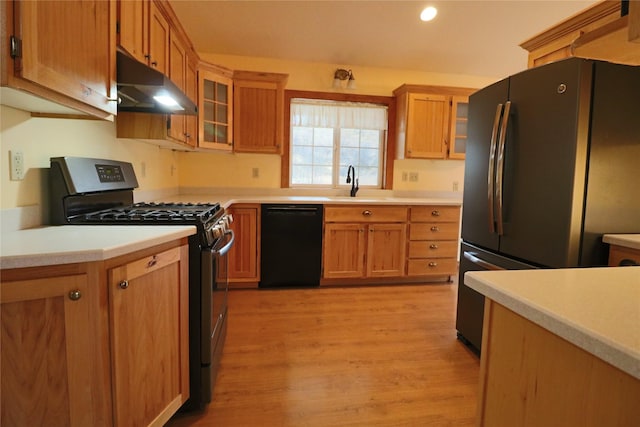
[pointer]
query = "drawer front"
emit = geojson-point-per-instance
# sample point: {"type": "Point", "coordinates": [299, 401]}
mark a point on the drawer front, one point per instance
{"type": "Point", "coordinates": [365, 214]}
{"type": "Point", "coordinates": [433, 249]}
{"type": "Point", "coordinates": [419, 267]}
{"type": "Point", "coordinates": [435, 213]}
{"type": "Point", "coordinates": [434, 231]}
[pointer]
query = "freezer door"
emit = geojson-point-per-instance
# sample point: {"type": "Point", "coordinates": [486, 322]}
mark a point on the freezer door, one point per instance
{"type": "Point", "coordinates": [470, 308]}
{"type": "Point", "coordinates": [485, 114]}
{"type": "Point", "coordinates": [545, 163]}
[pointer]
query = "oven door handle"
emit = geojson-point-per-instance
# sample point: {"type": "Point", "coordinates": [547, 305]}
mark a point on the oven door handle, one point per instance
{"type": "Point", "coordinates": [223, 251]}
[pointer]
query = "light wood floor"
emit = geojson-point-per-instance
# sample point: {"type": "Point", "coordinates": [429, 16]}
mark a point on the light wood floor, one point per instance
{"type": "Point", "coordinates": [362, 356]}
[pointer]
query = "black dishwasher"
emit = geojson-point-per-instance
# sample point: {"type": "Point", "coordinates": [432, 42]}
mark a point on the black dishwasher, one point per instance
{"type": "Point", "coordinates": [291, 245]}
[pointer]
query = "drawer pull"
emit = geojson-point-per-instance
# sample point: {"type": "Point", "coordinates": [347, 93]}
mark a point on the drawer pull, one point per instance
{"type": "Point", "coordinates": [435, 213]}
{"type": "Point", "coordinates": [435, 228]}
{"type": "Point", "coordinates": [433, 264]}
{"type": "Point", "coordinates": [124, 284]}
{"type": "Point", "coordinates": [153, 261]}
{"type": "Point", "coordinates": [433, 246]}
{"type": "Point", "coordinates": [367, 213]}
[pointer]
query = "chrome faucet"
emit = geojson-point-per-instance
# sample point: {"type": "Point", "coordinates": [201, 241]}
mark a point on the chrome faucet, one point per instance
{"type": "Point", "coordinates": [351, 179]}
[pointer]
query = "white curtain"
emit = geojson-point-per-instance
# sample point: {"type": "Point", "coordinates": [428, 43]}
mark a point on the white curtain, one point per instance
{"type": "Point", "coordinates": [337, 114]}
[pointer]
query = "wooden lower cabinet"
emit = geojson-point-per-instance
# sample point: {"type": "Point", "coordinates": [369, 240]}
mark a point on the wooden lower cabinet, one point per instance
{"type": "Point", "coordinates": [433, 240]}
{"type": "Point", "coordinates": [50, 364]}
{"type": "Point", "coordinates": [96, 344]}
{"type": "Point", "coordinates": [621, 255]}
{"type": "Point", "coordinates": [244, 256]}
{"type": "Point", "coordinates": [148, 313]}
{"type": "Point", "coordinates": [363, 242]}
{"type": "Point", "coordinates": [531, 377]}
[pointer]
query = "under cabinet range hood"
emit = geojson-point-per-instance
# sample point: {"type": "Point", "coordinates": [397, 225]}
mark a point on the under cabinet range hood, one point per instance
{"type": "Point", "coordinates": [142, 89]}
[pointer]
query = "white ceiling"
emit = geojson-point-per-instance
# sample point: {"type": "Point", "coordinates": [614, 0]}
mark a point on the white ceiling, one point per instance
{"type": "Point", "coordinates": [467, 37]}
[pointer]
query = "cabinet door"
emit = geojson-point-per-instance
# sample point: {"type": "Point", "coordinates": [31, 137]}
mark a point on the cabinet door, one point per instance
{"type": "Point", "coordinates": [244, 255]}
{"type": "Point", "coordinates": [215, 110]}
{"type": "Point", "coordinates": [191, 90]}
{"type": "Point", "coordinates": [48, 353]}
{"type": "Point", "coordinates": [427, 126]}
{"type": "Point", "coordinates": [69, 48]}
{"type": "Point", "coordinates": [177, 74]}
{"type": "Point", "coordinates": [158, 40]}
{"type": "Point", "coordinates": [148, 309]}
{"type": "Point", "coordinates": [458, 132]}
{"type": "Point", "coordinates": [133, 24]}
{"type": "Point", "coordinates": [344, 250]}
{"type": "Point", "coordinates": [386, 245]}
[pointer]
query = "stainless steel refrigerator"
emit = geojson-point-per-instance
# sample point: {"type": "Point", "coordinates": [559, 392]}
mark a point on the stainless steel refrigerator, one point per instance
{"type": "Point", "coordinates": [552, 164]}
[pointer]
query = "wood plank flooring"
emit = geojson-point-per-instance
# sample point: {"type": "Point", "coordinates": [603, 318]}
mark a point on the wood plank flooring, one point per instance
{"type": "Point", "coordinates": [353, 356]}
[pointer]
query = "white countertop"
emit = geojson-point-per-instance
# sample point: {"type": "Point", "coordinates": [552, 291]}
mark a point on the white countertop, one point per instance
{"type": "Point", "coordinates": [597, 309]}
{"type": "Point", "coordinates": [227, 200]}
{"type": "Point", "coordinates": [626, 240]}
{"type": "Point", "coordinates": [51, 245]}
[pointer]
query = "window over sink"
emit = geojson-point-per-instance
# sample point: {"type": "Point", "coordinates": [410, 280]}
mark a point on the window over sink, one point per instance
{"type": "Point", "coordinates": [326, 136]}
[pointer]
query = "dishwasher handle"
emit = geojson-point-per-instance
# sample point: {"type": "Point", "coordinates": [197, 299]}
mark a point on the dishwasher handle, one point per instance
{"type": "Point", "coordinates": [292, 209]}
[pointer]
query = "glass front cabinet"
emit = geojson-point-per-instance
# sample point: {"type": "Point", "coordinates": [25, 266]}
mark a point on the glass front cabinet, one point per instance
{"type": "Point", "coordinates": [215, 107]}
{"type": "Point", "coordinates": [458, 132]}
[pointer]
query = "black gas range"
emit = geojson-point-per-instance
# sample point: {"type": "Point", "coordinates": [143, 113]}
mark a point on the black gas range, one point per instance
{"type": "Point", "coordinates": [85, 191]}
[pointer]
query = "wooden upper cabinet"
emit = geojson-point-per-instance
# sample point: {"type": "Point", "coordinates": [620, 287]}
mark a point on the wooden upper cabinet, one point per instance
{"type": "Point", "coordinates": [133, 28]}
{"type": "Point", "coordinates": [431, 121]}
{"type": "Point", "coordinates": [215, 107]}
{"type": "Point", "coordinates": [598, 32]}
{"type": "Point", "coordinates": [178, 68]}
{"type": "Point", "coordinates": [69, 60]}
{"type": "Point", "coordinates": [458, 130]}
{"type": "Point", "coordinates": [258, 111]}
{"type": "Point", "coordinates": [158, 39]}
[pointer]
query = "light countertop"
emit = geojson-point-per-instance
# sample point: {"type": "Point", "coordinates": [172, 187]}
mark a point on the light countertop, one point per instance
{"type": "Point", "coordinates": [597, 309]}
{"type": "Point", "coordinates": [626, 240]}
{"type": "Point", "coordinates": [51, 245]}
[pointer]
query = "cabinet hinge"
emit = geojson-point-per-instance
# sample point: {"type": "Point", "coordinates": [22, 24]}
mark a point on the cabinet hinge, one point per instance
{"type": "Point", "coordinates": [16, 47]}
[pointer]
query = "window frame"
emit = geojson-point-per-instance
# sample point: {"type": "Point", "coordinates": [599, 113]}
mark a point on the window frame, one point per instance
{"type": "Point", "coordinates": [389, 152]}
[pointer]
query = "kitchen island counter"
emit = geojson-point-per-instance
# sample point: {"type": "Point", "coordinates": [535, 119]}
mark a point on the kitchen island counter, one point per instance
{"type": "Point", "coordinates": [631, 241]}
{"type": "Point", "coordinates": [596, 309]}
{"type": "Point", "coordinates": [53, 245]}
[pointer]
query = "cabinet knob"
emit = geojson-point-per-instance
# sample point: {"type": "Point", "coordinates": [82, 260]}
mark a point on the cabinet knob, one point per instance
{"type": "Point", "coordinates": [435, 213]}
{"type": "Point", "coordinates": [124, 284]}
{"type": "Point", "coordinates": [75, 295]}
{"type": "Point", "coordinates": [435, 228]}
{"type": "Point", "coordinates": [433, 264]}
{"type": "Point", "coordinates": [367, 213]}
{"type": "Point", "coordinates": [154, 63]}
{"type": "Point", "coordinates": [433, 246]}
{"type": "Point", "coordinates": [147, 56]}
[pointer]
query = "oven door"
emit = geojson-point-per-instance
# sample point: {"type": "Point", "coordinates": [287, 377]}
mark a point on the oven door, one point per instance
{"type": "Point", "coordinates": [215, 284]}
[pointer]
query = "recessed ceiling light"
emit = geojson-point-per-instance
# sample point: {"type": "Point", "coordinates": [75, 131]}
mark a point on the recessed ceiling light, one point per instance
{"type": "Point", "coordinates": [428, 13]}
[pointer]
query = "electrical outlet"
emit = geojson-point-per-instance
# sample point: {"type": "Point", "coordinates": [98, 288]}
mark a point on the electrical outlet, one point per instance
{"type": "Point", "coordinates": [413, 176]}
{"type": "Point", "coordinates": [16, 165]}
{"type": "Point", "coordinates": [455, 185]}
{"type": "Point", "coordinates": [404, 176]}
{"type": "Point", "coordinates": [143, 169]}
{"type": "Point", "coordinates": [255, 172]}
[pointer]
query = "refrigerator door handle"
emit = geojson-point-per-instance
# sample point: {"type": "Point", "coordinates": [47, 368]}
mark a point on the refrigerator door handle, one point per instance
{"type": "Point", "coordinates": [471, 256]}
{"type": "Point", "coordinates": [500, 167]}
{"type": "Point", "coordinates": [491, 170]}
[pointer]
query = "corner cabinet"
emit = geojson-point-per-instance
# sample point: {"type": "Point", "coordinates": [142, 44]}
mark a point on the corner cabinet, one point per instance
{"type": "Point", "coordinates": [258, 112]}
{"type": "Point", "coordinates": [431, 121]}
{"type": "Point", "coordinates": [215, 107]}
{"type": "Point", "coordinates": [69, 60]}
{"type": "Point", "coordinates": [103, 343]}
{"type": "Point", "coordinates": [364, 241]}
